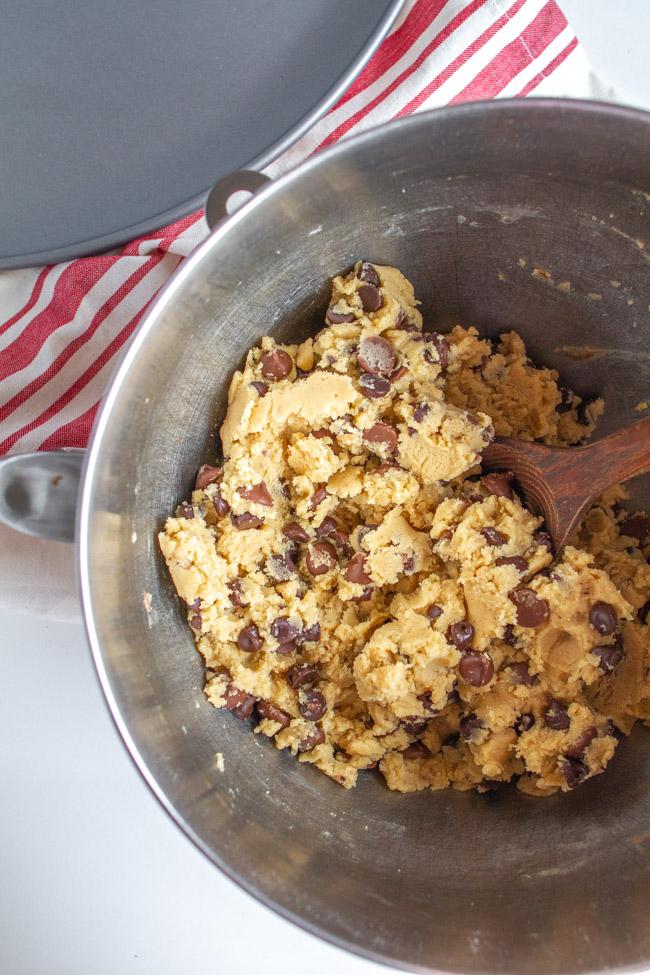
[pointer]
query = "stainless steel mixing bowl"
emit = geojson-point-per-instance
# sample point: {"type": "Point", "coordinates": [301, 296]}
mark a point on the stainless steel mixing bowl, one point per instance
{"type": "Point", "coordinates": [489, 209]}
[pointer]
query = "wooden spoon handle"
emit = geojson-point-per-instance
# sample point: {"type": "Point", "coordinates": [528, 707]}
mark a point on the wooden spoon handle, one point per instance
{"type": "Point", "coordinates": [622, 455]}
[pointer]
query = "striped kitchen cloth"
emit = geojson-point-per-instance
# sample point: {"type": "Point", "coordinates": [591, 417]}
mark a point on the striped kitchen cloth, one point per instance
{"type": "Point", "coordinates": [62, 327]}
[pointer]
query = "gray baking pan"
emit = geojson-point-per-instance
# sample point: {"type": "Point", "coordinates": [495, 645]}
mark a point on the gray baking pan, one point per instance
{"type": "Point", "coordinates": [117, 117]}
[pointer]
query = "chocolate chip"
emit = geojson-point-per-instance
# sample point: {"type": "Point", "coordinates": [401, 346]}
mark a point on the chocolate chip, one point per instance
{"type": "Point", "coordinates": [326, 527]}
{"type": "Point", "coordinates": [283, 649]}
{"type": "Point", "coordinates": [414, 724]}
{"type": "Point", "coordinates": [402, 324]}
{"type": "Point", "coordinates": [417, 749]}
{"type": "Point", "coordinates": [368, 274]}
{"type": "Point", "coordinates": [234, 697]}
{"type": "Point", "coordinates": [312, 705]}
{"type": "Point", "coordinates": [603, 618]}
{"type": "Point", "coordinates": [355, 570]}
{"type": "Point", "coordinates": [487, 434]}
{"type": "Point", "coordinates": [519, 562]}
{"type": "Point", "coordinates": [447, 535]}
{"type": "Point", "coordinates": [543, 540]}
{"type": "Point", "coordinates": [196, 622]}
{"type": "Point", "coordinates": [498, 483]}
{"type": "Point", "coordinates": [207, 475]}
{"type": "Point", "coordinates": [293, 552]}
{"type": "Point", "coordinates": [461, 634]}
{"type": "Point", "coordinates": [509, 635]}
{"type": "Point", "coordinates": [276, 364]}
{"type": "Point", "coordinates": [556, 716]}
{"type": "Point", "coordinates": [317, 497]}
{"type": "Point", "coordinates": [382, 433]}
{"type": "Point", "coordinates": [323, 433]}
{"type": "Point", "coordinates": [608, 657]}
{"type": "Point", "coordinates": [342, 542]}
{"type": "Point", "coordinates": [310, 634]}
{"type": "Point", "coordinates": [429, 356]}
{"type": "Point", "coordinates": [476, 668]}
{"type": "Point", "coordinates": [441, 345]}
{"type": "Point", "coordinates": [583, 414]}
{"type": "Point", "coordinates": [524, 723]}
{"type": "Point", "coordinates": [365, 595]}
{"type": "Point", "coordinates": [376, 355]}
{"type": "Point", "coordinates": [469, 725]}
{"type": "Point", "coordinates": [644, 612]}
{"type": "Point", "coordinates": [434, 611]}
{"type": "Point", "coordinates": [246, 520]}
{"type": "Point", "coordinates": [493, 537]}
{"type": "Point", "coordinates": [420, 411]}
{"type": "Point", "coordinates": [310, 741]}
{"type": "Point", "coordinates": [195, 604]}
{"type": "Point", "coordinates": [221, 506]}
{"type": "Point", "coordinates": [283, 630]}
{"type": "Point", "coordinates": [261, 388]}
{"type": "Point", "coordinates": [249, 639]}
{"type": "Point", "coordinates": [373, 386]}
{"type": "Point", "coordinates": [235, 593]}
{"type": "Point", "coordinates": [271, 713]}
{"type": "Point", "coordinates": [186, 510]}
{"type": "Point", "coordinates": [362, 532]}
{"type": "Point", "coordinates": [397, 374]}
{"type": "Point", "coordinates": [279, 568]}
{"type": "Point", "coordinates": [301, 674]}
{"type": "Point", "coordinates": [371, 299]}
{"type": "Point", "coordinates": [531, 610]}
{"type": "Point", "coordinates": [258, 494]}
{"type": "Point", "coordinates": [425, 698]}
{"type": "Point", "coordinates": [574, 771]}
{"type": "Point", "coordinates": [386, 466]}
{"type": "Point", "coordinates": [321, 557]}
{"type": "Point", "coordinates": [566, 402]}
{"type": "Point", "coordinates": [637, 526]}
{"type": "Point", "coordinates": [337, 317]}
{"type": "Point", "coordinates": [245, 709]}
{"type": "Point", "coordinates": [409, 564]}
{"type": "Point", "coordinates": [522, 674]}
{"type": "Point", "coordinates": [579, 746]}
{"type": "Point", "coordinates": [295, 532]}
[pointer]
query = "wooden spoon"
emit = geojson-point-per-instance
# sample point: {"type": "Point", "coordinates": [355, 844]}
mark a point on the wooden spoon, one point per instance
{"type": "Point", "coordinates": [561, 483]}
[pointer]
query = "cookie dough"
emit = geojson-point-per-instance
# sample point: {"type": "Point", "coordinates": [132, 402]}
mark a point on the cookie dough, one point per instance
{"type": "Point", "coordinates": [355, 582]}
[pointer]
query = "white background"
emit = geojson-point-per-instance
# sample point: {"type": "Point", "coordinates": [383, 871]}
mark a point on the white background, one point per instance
{"type": "Point", "coordinates": [95, 878]}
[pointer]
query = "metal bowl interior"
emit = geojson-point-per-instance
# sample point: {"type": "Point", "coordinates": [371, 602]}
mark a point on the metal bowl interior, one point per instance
{"type": "Point", "coordinates": [468, 202]}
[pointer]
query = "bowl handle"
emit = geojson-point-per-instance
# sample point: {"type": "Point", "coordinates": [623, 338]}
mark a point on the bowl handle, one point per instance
{"type": "Point", "coordinates": [39, 491]}
{"type": "Point", "coordinates": [216, 204]}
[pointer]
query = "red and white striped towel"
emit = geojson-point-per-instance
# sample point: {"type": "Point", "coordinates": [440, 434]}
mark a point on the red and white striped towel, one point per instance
{"type": "Point", "coordinates": [62, 327]}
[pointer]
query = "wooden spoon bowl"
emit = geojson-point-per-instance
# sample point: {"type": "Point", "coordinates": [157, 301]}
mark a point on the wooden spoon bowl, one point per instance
{"type": "Point", "coordinates": [561, 483]}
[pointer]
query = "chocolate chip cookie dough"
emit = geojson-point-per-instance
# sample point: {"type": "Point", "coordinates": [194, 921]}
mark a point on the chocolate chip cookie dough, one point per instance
{"type": "Point", "coordinates": [354, 581]}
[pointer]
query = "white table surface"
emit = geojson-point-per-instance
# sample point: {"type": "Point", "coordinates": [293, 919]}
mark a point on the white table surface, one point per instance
{"type": "Point", "coordinates": [96, 879]}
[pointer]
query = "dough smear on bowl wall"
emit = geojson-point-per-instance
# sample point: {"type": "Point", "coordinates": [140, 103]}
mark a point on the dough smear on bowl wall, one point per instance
{"type": "Point", "coordinates": [359, 585]}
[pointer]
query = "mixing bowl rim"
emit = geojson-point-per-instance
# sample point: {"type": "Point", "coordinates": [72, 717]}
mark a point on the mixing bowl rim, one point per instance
{"type": "Point", "coordinates": [520, 108]}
